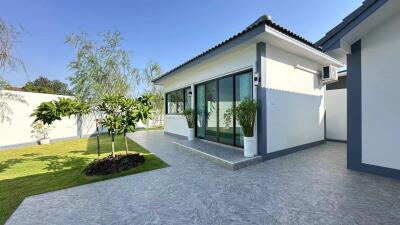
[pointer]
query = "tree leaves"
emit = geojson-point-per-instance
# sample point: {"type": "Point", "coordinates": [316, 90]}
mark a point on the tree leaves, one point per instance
{"type": "Point", "coordinates": [44, 85]}
{"type": "Point", "coordinates": [48, 112]}
{"type": "Point", "coordinates": [122, 114]}
{"type": "Point", "coordinates": [100, 69]}
{"type": "Point", "coordinates": [245, 114]}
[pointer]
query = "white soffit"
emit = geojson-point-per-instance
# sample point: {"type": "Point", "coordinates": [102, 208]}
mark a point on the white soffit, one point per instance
{"type": "Point", "coordinates": [387, 11]}
{"type": "Point", "coordinates": [282, 41]}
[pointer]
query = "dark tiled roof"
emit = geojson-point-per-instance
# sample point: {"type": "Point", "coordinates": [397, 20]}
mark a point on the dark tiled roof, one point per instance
{"type": "Point", "coordinates": [263, 20]}
{"type": "Point", "coordinates": [347, 20]}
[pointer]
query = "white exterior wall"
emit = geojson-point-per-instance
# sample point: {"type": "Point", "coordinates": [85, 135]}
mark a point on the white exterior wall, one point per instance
{"type": "Point", "coordinates": [18, 131]}
{"type": "Point", "coordinates": [336, 114]}
{"type": "Point", "coordinates": [295, 101]}
{"type": "Point", "coordinates": [224, 64]}
{"type": "Point", "coordinates": [380, 53]}
{"type": "Point", "coordinates": [176, 124]}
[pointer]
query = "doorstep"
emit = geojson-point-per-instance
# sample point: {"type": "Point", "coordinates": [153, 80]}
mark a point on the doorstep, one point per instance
{"type": "Point", "coordinates": [226, 156]}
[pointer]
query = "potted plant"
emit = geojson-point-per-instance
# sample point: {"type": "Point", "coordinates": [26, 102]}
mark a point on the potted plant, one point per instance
{"type": "Point", "coordinates": [245, 114]}
{"type": "Point", "coordinates": [41, 131]}
{"type": "Point", "coordinates": [190, 115]}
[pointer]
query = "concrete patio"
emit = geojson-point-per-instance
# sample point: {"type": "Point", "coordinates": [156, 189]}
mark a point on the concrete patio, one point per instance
{"type": "Point", "coordinates": [226, 156]}
{"type": "Point", "coordinates": [308, 187]}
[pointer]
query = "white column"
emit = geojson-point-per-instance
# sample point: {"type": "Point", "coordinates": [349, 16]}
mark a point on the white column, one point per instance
{"type": "Point", "coordinates": [192, 95]}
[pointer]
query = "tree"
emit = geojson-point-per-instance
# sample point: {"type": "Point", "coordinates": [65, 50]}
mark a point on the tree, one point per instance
{"type": "Point", "coordinates": [112, 120]}
{"type": "Point", "coordinates": [155, 92]}
{"type": "Point", "coordinates": [48, 112]}
{"type": "Point", "coordinates": [100, 68]}
{"type": "Point", "coordinates": [44, 85]}
{"type": "Point", "coordinates": [129, 119]}
{"type": "Point", "coordinates": [121, 115]}
{"type": "Point", "coordinates": [8, 61]}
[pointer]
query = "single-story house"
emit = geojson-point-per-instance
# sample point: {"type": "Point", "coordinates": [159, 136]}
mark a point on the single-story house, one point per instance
{"type": "Point", "coordinates": [266, 62]}
{"type": "Point", "coordinates": [369, 41]}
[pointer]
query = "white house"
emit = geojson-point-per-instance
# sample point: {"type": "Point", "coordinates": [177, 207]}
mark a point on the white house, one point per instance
{"type": "Point", "coordinates": [369, 40]}
{"type": "Point", "coordinates": [265, 62]}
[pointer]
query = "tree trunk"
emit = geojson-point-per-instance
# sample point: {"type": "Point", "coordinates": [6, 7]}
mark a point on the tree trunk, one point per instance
{"type": "Point", "coordinates": [126, 144]}
{"type": "Point", "coordinates": [112, 144]}
{"type": "Point", "coordinates": [98, 138]}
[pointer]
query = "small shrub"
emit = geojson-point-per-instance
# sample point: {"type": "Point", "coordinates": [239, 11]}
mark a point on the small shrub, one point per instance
{"type": "Point", "coordinates": [245, 114]}
{"type": "Point", "coordinates": [116, 164]}
{"type": "Point", "coordinates": [41, 130]}
{"type": "Point", "coordinates": [190, 115]}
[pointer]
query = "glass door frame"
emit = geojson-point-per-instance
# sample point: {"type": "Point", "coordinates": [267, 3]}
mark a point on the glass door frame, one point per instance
{"type": "Point", "coordinates": [233, 75]}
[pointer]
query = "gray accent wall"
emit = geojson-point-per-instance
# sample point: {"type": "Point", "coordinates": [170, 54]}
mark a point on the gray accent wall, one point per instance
{"type": "Point", "coordinates": [262, 100]}
{"type": "Point", "coordinates": [354, 107]}
{"type": "Point", "coordinates": [354, 118]}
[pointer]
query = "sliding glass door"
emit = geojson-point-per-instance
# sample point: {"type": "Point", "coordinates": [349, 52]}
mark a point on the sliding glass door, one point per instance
{"type": "Point", "coordinates": [201, 111]}
{"type": "Point", "coordinates": [225, 105]}
{"type": "Point", "coordinates": [211, 104]}
{"type": "Point", "coordinates": [243, 90]}
{"type": "Point", "coordinates": [215, 101]}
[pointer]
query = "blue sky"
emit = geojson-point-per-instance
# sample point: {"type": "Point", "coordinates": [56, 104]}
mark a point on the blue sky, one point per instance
{"type": "Point", "coordinates": [168, 32]}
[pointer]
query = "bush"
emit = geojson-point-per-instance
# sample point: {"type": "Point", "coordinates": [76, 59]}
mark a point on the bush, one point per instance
{"type": "Point", "coordinates": [245, 114]}
{"type": "Point", "coordinates": [190, 115]}
{"type": "Point", "coordinates": [110, 164]}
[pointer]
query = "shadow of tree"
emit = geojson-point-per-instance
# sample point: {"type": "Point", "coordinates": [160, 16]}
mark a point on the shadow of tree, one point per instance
{"type": "Point", "coordinates": [59, 163]}
{"type": "Point", "coordinates": [30, 154]}
{"type": "Point", "coordinates": [9, 163]}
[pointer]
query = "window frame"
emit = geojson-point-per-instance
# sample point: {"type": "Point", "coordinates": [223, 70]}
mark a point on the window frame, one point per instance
{"type": "Point", "coordinates": [183, 92]}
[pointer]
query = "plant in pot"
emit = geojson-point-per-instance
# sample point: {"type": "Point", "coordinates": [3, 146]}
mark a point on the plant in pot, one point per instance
{"type": "Point", "coordinates": [46, 113]}
{"type": "Point", "coordinates": [190, 115]}
{"type": "Point", "coordinates": [41, 131]}
{"type": "Point", "coordinates": [245, 114]}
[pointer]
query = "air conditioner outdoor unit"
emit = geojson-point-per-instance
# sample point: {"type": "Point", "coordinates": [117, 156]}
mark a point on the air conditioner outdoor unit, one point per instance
{"type": "Point", "coordinates": [329, 74]}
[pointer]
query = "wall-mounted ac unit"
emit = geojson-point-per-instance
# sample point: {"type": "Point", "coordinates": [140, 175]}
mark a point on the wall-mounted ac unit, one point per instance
{"type": "Point", "coordinates": [329, 74]}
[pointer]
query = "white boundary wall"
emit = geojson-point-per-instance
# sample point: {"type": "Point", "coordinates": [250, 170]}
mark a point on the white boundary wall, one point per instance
{"type": "Point", "coordinates": [19, 130]}
{"type": "Point", "coordinates": [336, 114]}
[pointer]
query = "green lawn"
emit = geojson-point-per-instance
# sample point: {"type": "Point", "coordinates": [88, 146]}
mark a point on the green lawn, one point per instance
{"type": "Point", "coordinates": [37, 169]}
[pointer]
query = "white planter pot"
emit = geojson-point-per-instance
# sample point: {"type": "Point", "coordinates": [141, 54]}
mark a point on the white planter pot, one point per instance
{"type": "Point", "coordinates": [191, 134]}
{"type": "Point", "coordinates": [44, 141]}
{"type": "Point", "coordinates": [250, 146]}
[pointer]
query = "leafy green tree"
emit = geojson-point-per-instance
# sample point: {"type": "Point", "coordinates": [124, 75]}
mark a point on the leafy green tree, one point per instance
{"type": "Point", "coordinates": [155, 92]}
{"type": "Point", "coordinates": [8, 61]}
{"type": "Point", "coordinates": [111, 107]}
{"type": "Point", "coordinates": [100, 68]}
{"type": "Point", "coordinates": [129, 118]}
{"type": "Point", "coordinates": [44, 85]}
{"type": "Point", "coordinates": [48, 112]}
{"type": "Point", "coordinates": [144, 107]}
{"type": "Point", "coordinates": [122, 114]}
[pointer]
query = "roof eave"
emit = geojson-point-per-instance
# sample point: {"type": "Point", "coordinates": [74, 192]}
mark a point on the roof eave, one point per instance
{"type": "Point", "coordinates": [228, 44]}
{"type": "Point", "coordinates": [332, 38]}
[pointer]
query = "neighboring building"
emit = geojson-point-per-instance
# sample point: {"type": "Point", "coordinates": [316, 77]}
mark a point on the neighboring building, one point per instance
{"type": "Point", "coordinates": [369, 40]}
{"type": "Point", "coordinates": [291, 115]}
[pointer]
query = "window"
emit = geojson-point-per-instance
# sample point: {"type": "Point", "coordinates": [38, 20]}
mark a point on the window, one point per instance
{"type": "Point", "coordinates": [188, 98]}
{"type": "Point", "coordinates": [215, 100]}
{"type": "Point", "coordinates": [178, 100]}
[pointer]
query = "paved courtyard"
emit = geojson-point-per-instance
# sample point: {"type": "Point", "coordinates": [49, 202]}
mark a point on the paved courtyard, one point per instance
{"type": "Point", "coordinates": [308, 187]}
